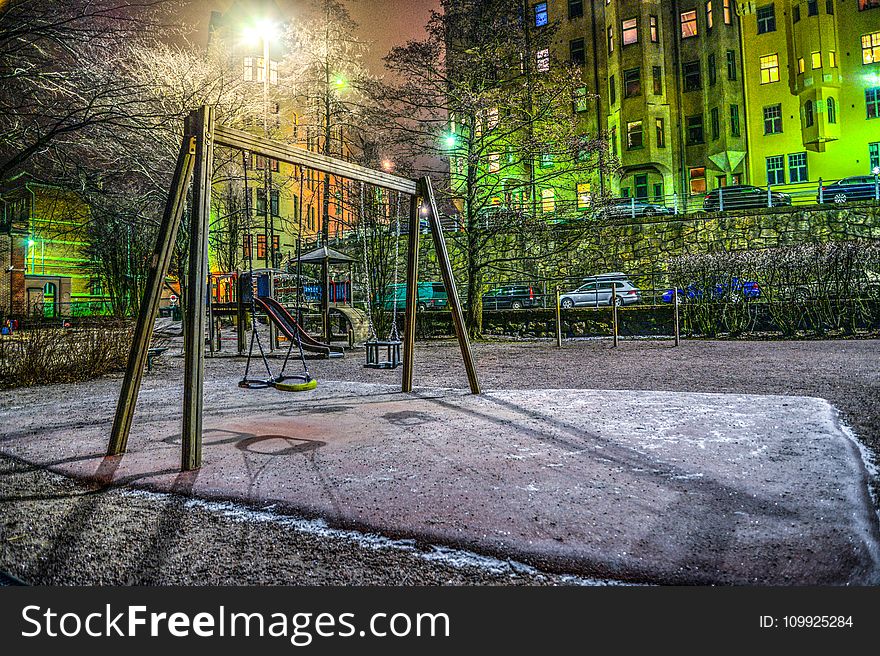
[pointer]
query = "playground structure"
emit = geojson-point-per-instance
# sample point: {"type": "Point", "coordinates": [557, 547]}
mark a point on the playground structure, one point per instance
{"type": "Point", "coordinates": [195, 162]}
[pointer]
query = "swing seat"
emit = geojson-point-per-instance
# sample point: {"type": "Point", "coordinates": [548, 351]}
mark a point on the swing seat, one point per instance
{"type": "Point", "coordinates": [295, 383]}
{"type": "Point", "coordinates": [391, 354]}
{"type": "Point", "coordinates": [254, 383]}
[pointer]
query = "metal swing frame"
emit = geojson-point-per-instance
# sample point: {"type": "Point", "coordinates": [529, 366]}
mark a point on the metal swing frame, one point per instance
{"type": "Point", "coordinates": [196, 162]}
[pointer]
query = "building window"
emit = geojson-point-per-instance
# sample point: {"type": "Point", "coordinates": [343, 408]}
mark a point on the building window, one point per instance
{"type": "Point", "coordinates": [766, 19]}
{"type": "Point", "coordinates": [640, 185]}
{"type": "Point", "coordinates": [697, 180]}
{"type": "Point", "coordinates": [630, 31]}
{"type": "Point", "coordinates": [632, 82]}
{"type": "Point", "coordinates": [872, 102]}
{"type": "Point", "coordinates": [634, 135]}
{"type": "Point", "coordinates": [731, 65]}
{"type": "Point", "coordinates": [816, 60]}
{"type": "Point", "coordinates": [612, 90]}
{"type": "Point", "coordinates": [546, 160]}
{"type": "Point", "coordinates": [691, 73]}
{"type": "Point", "coordinates": [773, 119]}
{"type": "Point", "coordinates": [655, 35]}
{"type": "Point", "coordinates": [710, 69]}
{"type": "Point", "coordinates": [832, 111]}
{"type": "Point", "coordinates": [543, 60]}
{"type": "Point", "coordinates": [715, 123]}
{"type": "Point", "coordinates": [874, 155]}
{"type": "Point", "coordinates": [775, 170]}
{"type": "Point", "coordinates": [812, 7]}
{"type": "Point", "coordinates": [541, 14]}
{"type": "Point", "coordinates": [658, 80]}
{"type": "Point", "coordinates": [832, 59]}
{"type": "Point", "coordinates": [249, 69]}
{"type": "Point", "coordinates": [261, 202]}
{"type": "Point", "coordinates": [695, 130]}
{"type": "Point", "coordinates": [261, 247]}
{"type": "Point", "coordinates": [548, 201]}
{"type": "Point", "coordinates": [796, 14]}
{"type": "Point", "coordinates": [274, 165]}
{"type": "Point", "coordinates": [868, 4]}
{"type": "Point", "coordinates": [584, 197]}
{"type": "Point", "coordinates": [734, 120]}
{"type": "Point", "coordinates": [688, 24]}
{"type": "Point", "coordinates": [769, 69]}
{"type": "Point", "coordinates": [710, 23]}
{"type": "Point", "coordinates": [728, 17]}
{"type": "Point", "coordinates": [871, 48]}
{"type": "Point", "coordinates": [274, 202]}
{"type": "Point", "coordinates": [575, 9]}
{"type": "Point", "coordinates": [801, 66]}
{"type": "Point", "coordinates": [660, 129]}
{"type": "Point", "coordinates": [797, 167]}
{"type": "Point", "coordinates": [580, 99]}
{"type": "Point", "coordinates": [829, 7]}
{"type": "Point", "coordinates": [246, 246]}
{"type": "Point", "coordinates": [610, 39]}
{"type": "Point", "coordinates": [614, 140]}
{"type": "Point", "coordinates": [273, 72]}
{"type": "Point", "coordinates": [577, 52]}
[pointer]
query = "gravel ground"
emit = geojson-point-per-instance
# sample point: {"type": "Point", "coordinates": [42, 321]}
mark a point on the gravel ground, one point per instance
{"type": "Point", "coordinates": [57, 531]}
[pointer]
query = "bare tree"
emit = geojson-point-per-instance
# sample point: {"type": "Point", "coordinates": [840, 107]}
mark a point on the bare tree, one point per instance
{"type": "Point", "coordinates": [483, 92]}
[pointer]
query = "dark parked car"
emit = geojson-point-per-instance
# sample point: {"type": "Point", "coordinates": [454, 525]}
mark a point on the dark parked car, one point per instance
{"type": "Point", "coordinates": [514, 297]}
{"type": "Point", "coordinates": [857, 187]}
{"type": "Point", "coordinates": [740, 197]}
{"type": "Point", "coordinates": [629, 207]}
{"type": "Point", "coordinates": [741, 289]}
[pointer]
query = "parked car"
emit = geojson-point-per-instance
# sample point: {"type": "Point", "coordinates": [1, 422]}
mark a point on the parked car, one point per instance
{"type": "Point", "coordinates": [597, 290]}
{"type": "Point", "coordinates": [741, 289]}
{"type": "Point", "coordinates": [857, 187]}
{"type": "Point", "coordinates": [431, 296]}
{"type": "Point", "coordinates": [629, 207]}
{"type": "Point", "coordinates": [739, 197]}
{"type": "Point", "coordinates": [515, 297]}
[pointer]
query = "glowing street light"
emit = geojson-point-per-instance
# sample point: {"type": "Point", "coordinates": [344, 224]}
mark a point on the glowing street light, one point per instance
{"type": "Point", "coordinates": [387, 165]}
{"type": "Point", "coordinates": [450, 140]}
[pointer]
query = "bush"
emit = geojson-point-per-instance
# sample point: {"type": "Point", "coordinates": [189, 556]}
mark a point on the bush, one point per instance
{"type": "Point", "coordinates": [42, 354]}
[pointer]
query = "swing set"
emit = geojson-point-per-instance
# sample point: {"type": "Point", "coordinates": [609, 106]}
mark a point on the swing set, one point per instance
{"type": "Point", "coordinates": [196, 162]}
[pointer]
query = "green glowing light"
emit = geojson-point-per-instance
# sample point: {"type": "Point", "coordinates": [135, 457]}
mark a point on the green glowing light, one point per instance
{"type": "Point", "coordinates": [450, 140]}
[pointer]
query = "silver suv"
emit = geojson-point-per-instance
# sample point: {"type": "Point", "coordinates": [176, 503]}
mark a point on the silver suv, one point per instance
{"type": "Point", "coordinates": [597, 290]}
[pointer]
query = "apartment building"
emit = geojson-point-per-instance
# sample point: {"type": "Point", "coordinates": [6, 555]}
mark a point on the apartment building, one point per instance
{"type": "Point", "coordinates": [695, 95]}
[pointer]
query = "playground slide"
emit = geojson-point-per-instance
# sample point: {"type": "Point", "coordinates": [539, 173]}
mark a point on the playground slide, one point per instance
{"type": "Point", "coordinates": [357, 320]}
{"type": "Point", "coordinates": [279, 315]}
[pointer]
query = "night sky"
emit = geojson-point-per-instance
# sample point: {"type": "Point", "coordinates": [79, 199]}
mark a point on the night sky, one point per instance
{"type": "Point", "coordinates": [384, 22]}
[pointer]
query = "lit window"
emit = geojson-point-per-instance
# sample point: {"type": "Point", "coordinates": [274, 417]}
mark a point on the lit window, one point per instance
{"type": "Point", "coordinates": [709, 20]}
{"type": "Point", "coordinates": [630, 31]}
{"type": "Point", "coordinates": [655, 36]}
{"type": "Point", "coordinates": [580, 99]}
{"type": "Point", "coordinates": [584, 197]}
{"type": "Point", "coordinates": [867, 4]}
{"type": "Point", "coordinates": [816, 60]}
{"type": "Point", "coordinates": [832, 59]}
{"type": "Point", "coordinates": [801, 65]}
{"type": "Point", "coordinates": [634, 135]}
{"type": "Point", "coordinates": [660, 133]}
{"type": "Point", "coordinates": [543, 60]}
{"type": "Point", "coordinates": [261, 247]}
{"type": "Point", "coordinates": [872, 102]}
{"type": "Point", "coordinates": [769, 69]}
{"type": "Point", "coordinates": [610, 39]}
{"type": "Point", "coordinates": [688, 24]}
{"type": "Point", "coordinates": [871, 48]}
{"type": "Point", "coordinates": [773, 119]}
{"type": "Point", "coordinates": [540, 14]}
{"type": "Point", "coordinates": [766, 19]}
{"type": "Point", "coordinates": [494, 162]}
{"type": "Point", "coordinates": [548, 201]}
{"type": "Point", "coordinates": [697, 179]}
{"type": "Point", "coordinates": [546, 160]}
{"type": "Point", "coordinates": [728, 17]}
{"type": "Point", "coordinates": [632, 82]}
{"type": "Point", "coordinates": [776, 170]}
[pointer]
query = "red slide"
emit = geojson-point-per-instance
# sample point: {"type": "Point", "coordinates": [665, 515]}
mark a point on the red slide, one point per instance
{"type": "Point", "coordinates": [279, 315]}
